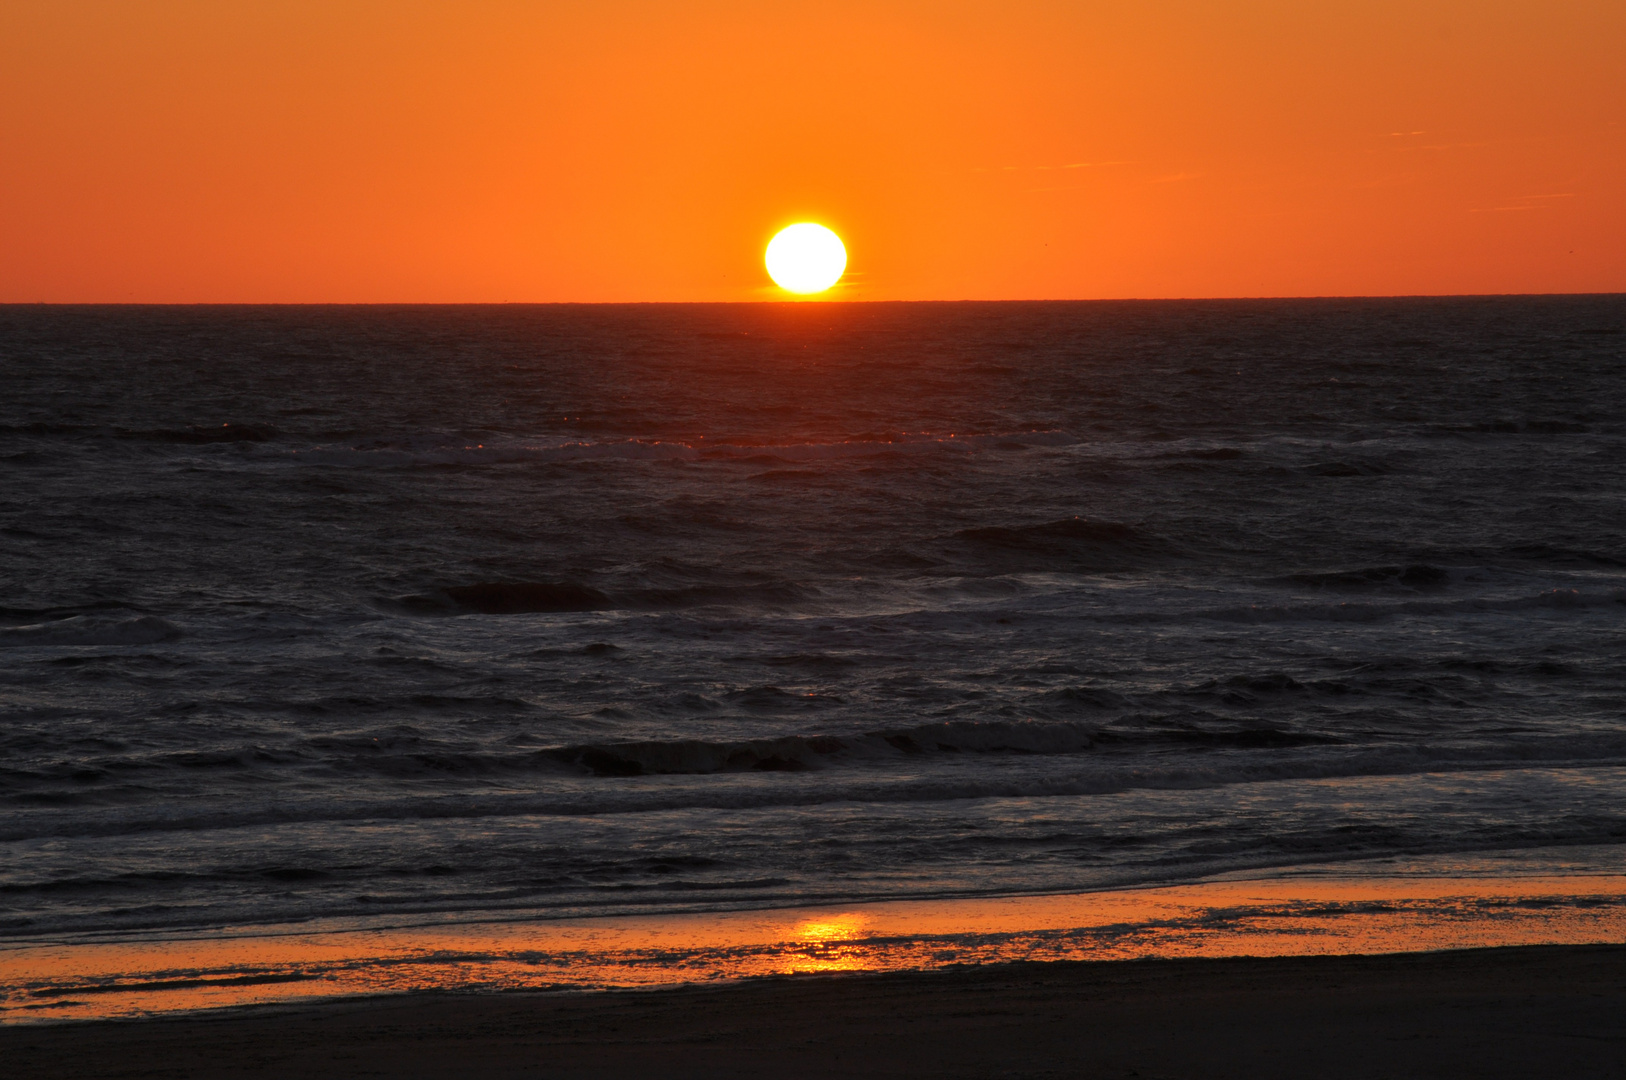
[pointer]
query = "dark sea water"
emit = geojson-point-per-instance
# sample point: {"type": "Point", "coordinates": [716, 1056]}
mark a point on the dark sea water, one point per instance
{"type": "Point", "coordinates": [332, 612]}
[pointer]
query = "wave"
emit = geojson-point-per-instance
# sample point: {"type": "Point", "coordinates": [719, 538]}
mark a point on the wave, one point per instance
{"type": "Point", "coordinates": [90, 630]}
{"type": "Point", "coordinates": [438, 451]}
{"type": "Point", "coordinates": [1513, 427]}
{"type": "Point", "coordinates": [408, 754]}
{"type": "Point", "coordinates": [798, 753]}
{"type": "Point", "coordinates": [41, 427]}
{"type": "Point", "coordinates": [198, 434]}
{"type": "Point", "coordinates": [1551, 600]}
{"type": "Point", "coordinates": [1076, 544]}
{"type": "Point", "coordinates": [541, 597]}
{"type": "Point", "coordinates": [615, 789]}
{"type": "Point", "coordinates": [1464, 562]}
{"type": "Point", "coordinates": [1339, 468]}
{"type": "Point", "coordinates": [1215, 453]}
{"type": "Point", "coordinates": [1549, 553]}
{"type": "Point", "coordinates": [508, 598]}
{"type": "Point", "coordinates": [1418, 577]}
{"type": "Point", "coordinates": [53, 614]}
{"type": "Point", "coordinates": [771, 594]}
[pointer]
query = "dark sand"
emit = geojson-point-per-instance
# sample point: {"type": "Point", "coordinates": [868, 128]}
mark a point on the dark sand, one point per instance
{"type": "Point", "coordinates": [1557, 1011]}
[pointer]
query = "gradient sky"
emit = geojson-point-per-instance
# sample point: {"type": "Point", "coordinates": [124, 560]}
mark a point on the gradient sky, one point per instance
{"type": "Point", "coordinates": [351, 150]}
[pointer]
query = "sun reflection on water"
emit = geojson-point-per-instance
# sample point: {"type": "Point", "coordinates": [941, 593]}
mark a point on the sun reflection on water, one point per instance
{"type": "Point", "coordinates": [1300, 915]}
{"type": "Point", "coordinates": [824, 944]}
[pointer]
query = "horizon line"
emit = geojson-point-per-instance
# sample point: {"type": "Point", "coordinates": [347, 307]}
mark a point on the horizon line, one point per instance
{"type": "Point", "coordinates": [801, 301]}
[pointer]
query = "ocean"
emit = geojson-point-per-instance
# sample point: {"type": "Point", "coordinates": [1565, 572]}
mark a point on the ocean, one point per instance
{"type": "Point", "coordinates": [333, 613]}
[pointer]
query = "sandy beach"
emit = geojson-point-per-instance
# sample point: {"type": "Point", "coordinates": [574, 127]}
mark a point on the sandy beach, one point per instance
{"type": "Point", "coordinates": [1548, 1011]}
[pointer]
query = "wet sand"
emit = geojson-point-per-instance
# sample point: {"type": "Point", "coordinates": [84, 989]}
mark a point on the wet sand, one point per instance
{"type": "Point", "coordinates": [1325, 910]}
{"type": "Point", "coordinates": [1548, 1011]}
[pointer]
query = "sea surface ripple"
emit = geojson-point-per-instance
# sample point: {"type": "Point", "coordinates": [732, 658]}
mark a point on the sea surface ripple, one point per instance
{"type": "Point", "coordinates": [328, 612]}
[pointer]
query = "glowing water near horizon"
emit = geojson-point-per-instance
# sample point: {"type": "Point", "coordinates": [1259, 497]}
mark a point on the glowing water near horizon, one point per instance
{"type": "Point", "coordinates": [326, 613]}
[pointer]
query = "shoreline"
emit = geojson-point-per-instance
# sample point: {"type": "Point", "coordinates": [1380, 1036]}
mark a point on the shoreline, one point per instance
{"type": "Point", "coordinates": [1421, 905]}
{"type": "Point", "coordinates": [1505, 1012]}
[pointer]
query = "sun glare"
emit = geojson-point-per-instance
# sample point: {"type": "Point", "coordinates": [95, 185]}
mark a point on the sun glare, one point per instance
{"type": "Point", "coordinates": [806, 258]}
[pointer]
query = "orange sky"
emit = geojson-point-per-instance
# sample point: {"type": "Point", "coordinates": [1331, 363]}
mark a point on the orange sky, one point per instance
{"type": "Point", "coordinates": [496, 150]}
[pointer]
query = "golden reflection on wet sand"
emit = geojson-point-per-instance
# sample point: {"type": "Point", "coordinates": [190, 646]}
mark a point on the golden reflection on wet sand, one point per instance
{"type": "Point", "coordinates": [1272, 917]}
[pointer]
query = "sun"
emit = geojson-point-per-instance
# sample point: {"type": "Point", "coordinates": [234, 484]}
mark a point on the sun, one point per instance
{"type": "Point", "coordinates": [806, 258]}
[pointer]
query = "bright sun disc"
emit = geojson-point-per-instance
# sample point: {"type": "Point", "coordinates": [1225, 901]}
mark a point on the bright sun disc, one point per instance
{"type": "Point", "coordinates": [806, 258]}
